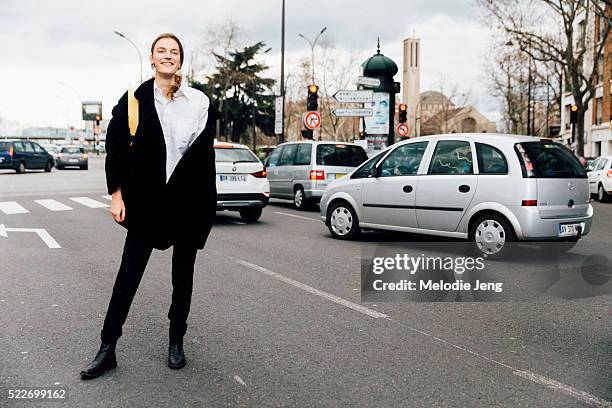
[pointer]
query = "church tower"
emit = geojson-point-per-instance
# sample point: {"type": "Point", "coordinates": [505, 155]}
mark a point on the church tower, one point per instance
{"type": "Point", "coordinates": [411, 83]}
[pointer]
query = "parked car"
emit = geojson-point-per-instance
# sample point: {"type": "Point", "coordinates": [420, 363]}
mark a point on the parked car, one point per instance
{"type": "Point", "coordinates": [52, 149]}
{"type": "Point", "coordinates": [73, 156]}
{"type": "Point", "coordinates": [241, 181]}
{"type": "Point", "coordinates": [488, 188]}
{"type": "Point", "coordinates": [302, 170]}
{"type": "Point", "coordinates": [600, 178]}
{"type": "Point", "coordinates": [20, 155]}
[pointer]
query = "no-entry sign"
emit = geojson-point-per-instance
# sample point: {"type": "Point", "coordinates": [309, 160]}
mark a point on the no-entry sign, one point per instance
{"type": "Point", "coordinates": [312, 120]}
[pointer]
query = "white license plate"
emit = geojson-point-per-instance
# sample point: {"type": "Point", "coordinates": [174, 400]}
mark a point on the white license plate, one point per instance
{"type": "Point", "coordinates": [569, 230]}
{"type": "Point", "coordinates": [232, 178]}
{"type": "Point", "coordinates": [73, 161]}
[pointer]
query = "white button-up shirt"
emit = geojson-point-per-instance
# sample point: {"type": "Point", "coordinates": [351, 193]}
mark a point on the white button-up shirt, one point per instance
{"type": "Point", "coordinates": [182, 119]}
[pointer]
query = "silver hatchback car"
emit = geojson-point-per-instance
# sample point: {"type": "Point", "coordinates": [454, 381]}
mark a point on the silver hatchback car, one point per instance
{"type": "Point", "coordinates": [488, 188]}
{"type": "Point", "coordinates": [302, 170]}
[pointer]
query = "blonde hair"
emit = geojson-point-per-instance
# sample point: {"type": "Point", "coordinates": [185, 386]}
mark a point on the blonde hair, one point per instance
{"type": "Point", "coordinates": [178, 79]}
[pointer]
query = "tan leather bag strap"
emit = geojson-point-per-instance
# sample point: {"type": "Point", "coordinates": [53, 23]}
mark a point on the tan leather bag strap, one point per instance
{"type": "Point", "coordinates": [132, 112]}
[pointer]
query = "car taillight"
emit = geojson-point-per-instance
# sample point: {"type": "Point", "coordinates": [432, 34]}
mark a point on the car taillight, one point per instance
{"type": "Point", "coordinates": [60, 155]}
{"type": "Point", "coordinates": [11, 152]}
{"type": "Point", "coordinates": [259, 174]}
{"type": "Point", "coordinates": [529, 203]}
{"type": "Point", "coordinates": [317, 175]}
{"type": "Point", "coordinates": [609, 174]}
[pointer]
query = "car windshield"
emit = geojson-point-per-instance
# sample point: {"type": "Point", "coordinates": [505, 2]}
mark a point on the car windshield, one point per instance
{"type": "Point", "coordinates": [340, 155]}
{"type": "Point", "coordinates": [231, 155]}
{"type": "Point", "coordinates": [551, 160]}
{"type": "Point", "coordinates": [71, 150]}
{"type": "Point", "coordinates": [5, 146]}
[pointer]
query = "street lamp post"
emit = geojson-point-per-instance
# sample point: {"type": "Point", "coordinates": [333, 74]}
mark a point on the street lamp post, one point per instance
{"type": "Point", "coordinates": [312, 47]}
{"type": "Point", "coordinates": [135, 47]}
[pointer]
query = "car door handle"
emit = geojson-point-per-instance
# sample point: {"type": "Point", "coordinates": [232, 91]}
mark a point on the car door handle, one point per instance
{"type": "Point", "coordinates": [407, 189]}
{"type": "Point", "coordinates": [464, 188]}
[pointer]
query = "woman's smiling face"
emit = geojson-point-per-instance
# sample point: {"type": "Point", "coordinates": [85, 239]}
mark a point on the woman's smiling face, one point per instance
{"type": "Point", "coordinates": [166, 56]}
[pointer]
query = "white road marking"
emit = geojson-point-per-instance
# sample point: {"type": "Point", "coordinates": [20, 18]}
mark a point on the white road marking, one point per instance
{"type": "Point", "coordinates": [12, 207]}
{"type": "Point", "coordinates": [234, 221]}
{"type": "Point", "coordinates": [528, 375]}
{"type": "Point", "coordinates": [107, 197]}
{"type": "Point", "coordinates": [354, 306]}
{"type": "Point", "coordinates": [41, 232]}
{"type": "Point", "coordinates": [53, 205]}
{"type": "Point", "coordinates": [297, 216]}
{"type": "Point", "coordinates": [89, 202]}
{"type": "Point", "coordinates": [239, 380]}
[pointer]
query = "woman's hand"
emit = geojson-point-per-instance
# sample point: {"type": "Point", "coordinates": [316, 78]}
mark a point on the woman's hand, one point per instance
{"type": "Point", "coordinates": [117, 207]}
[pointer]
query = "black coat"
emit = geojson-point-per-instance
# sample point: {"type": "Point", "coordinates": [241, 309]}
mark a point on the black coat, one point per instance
{"type": "Point", "coordinates": [182, 210]}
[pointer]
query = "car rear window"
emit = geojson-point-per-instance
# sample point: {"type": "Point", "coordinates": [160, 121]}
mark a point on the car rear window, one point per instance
{"type": "Point", "coordinates": [548, 160]}
{"type": "Point", "coordinates": [72, 150]}
{"type": "Point", "coordinates": [233, 155]}
{"type": "Point", "coordinates": [5, 146]}
{"type": "Point", "coordinates": [340, 155]}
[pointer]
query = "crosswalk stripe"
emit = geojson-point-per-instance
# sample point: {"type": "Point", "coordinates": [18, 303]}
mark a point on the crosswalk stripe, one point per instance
{"type": "Point", "coordinates": [12, 207]}
{"type": "Point", "coordinates": [89, 202]}
{"type": "Point", "coordinates": [53, 205]}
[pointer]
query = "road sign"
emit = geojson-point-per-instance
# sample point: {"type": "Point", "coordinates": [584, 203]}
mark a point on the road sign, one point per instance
{"type": "Point", "coordinates": [367, 81]}
{"type": "Point", "coordinates": [361, 96]}
{"type": "Point", "coordinates": [91, 109]}
{"type": "Point", "coordinates": [402, 129]}
{"type": "Point", "coordinates": [312, 120]}
{"type": "Point", "coordinates": [278, 115]}
{"type": "Point", "coordinates": [353, 112]}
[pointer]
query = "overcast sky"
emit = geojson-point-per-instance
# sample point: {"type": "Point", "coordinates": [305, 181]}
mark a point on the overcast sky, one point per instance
{"type": "Point", "coordinates": [58, 52]}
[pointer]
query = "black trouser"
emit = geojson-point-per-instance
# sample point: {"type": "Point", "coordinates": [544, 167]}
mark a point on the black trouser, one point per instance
{"type": "Point", "coordinates": [135, 257]}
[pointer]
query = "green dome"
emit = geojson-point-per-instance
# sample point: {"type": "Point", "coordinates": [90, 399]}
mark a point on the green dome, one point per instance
{"type": "Point", "coordinates": [379, 66]}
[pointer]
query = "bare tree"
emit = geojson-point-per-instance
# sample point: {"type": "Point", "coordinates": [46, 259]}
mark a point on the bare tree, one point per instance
{"type": "Point", "coordinates": [556, 30]}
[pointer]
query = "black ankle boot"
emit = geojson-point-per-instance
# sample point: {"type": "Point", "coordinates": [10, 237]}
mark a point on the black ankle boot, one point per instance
{"type": "Point", "coordinates": [176, 356]}
{"type": "Point", "coordinates": [105, 360]}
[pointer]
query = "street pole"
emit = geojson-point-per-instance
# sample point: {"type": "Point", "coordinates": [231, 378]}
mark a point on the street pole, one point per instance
{"type": "Point", "coordinates": [136, 48]}
{"type": "Point", "coordinates": [281, 137]}
{"type": "Point", "coordinates": [312, 47]}
{"type": "Point", "coordinates": [529, 128]}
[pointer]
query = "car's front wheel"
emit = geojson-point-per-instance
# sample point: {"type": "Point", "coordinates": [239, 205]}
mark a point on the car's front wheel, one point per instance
{"type": "Point", "coordinates": [342, 221]}
{"type": "Point", "coordinates": [250, 214]}
{"type": "Point", "coordinates": [491, 235]}
{"type": "Point", "coordinates": [49, 167]}
{"type": "Point", "coordinates": [602, 196]}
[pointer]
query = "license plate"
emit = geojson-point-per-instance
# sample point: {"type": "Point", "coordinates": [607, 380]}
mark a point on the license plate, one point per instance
{"type": "Point", "coordinates": [73, 161]}
{"type": "Point", "coordinates": [569, 230]}
{"type": "Point", "coordinates": [232, 178]}
{"type": "Point", "coordinates": [340, 175]}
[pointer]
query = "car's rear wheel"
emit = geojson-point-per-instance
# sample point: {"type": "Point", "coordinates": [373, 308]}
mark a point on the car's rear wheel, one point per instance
{"type": "Point", "coordinates": [602, 196]}
{"type": "Point", "coordinates": [250, 214]}
{"type": "Point", "coordinates": [491, 235]}
{"type": "Point", "coordinates": [299, 199]}
{"type": "Point", "coordinates": [49, 167]}
{"type": "Point", "coordinates": [342, 221]}
{"type": "Point", "coordinates": [20, 168]}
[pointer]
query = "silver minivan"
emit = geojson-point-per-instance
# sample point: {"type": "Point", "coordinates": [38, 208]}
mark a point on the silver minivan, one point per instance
{"type": "Point", "coordinates": [488, 188]}
{"type": "Point", "coordinates": [301, 171]}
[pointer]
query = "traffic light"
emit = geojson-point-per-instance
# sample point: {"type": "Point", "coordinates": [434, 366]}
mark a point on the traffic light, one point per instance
{"type": "Point", "coordinates": [98, 118]}
{"type": "Point", "coordinates": [312, 103]}
{"type": "Point", "coordinates": [307, 134]}
{"type": "Point", "coordinates": [403, 113]}
{"type": "Point", "coordinates": [574, 114]}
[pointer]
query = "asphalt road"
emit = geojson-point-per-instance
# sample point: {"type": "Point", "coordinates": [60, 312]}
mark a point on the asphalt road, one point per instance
{"type": "Point", "coordinates": [277, 318]}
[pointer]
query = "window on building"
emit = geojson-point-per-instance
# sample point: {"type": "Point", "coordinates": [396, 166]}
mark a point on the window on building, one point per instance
{"type": "Point", "coordinates": [599, 111]}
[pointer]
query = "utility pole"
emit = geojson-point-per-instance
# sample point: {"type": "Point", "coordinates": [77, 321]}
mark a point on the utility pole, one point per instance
{"type": "Point", "coordinates": [281, 137]}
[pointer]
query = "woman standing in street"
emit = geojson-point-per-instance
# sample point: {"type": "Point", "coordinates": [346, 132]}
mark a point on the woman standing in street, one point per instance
{"type": "Point", "coordinates": [162, 183]}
